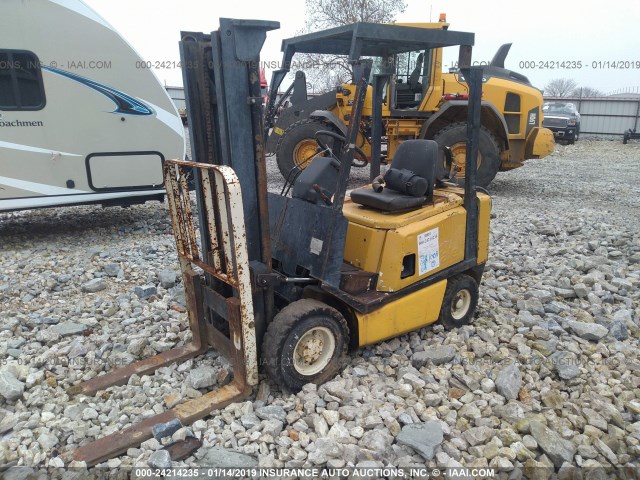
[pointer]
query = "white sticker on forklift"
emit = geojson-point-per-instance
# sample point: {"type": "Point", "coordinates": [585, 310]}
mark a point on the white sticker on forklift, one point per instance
{"type": "Point", "coordinates": [316, 246]}
{"type": "Point", "coordinates": [428, 251]}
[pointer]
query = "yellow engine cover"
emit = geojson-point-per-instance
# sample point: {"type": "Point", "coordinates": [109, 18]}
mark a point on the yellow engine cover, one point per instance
{"type": "Point", "coordinates": [404, 248]}
{"type": "Point", "coordinates": [434, 234]}
{"type": "Point", "coordinates": [408, 313]}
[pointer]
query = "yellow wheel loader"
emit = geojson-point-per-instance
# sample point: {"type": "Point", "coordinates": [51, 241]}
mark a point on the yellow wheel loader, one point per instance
{"type": "Point", "coordinates": [418, 101]}
{"type": "Point", "coordinates": [287, 285]}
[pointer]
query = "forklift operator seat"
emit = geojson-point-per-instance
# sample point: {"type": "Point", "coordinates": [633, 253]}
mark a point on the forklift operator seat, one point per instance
{"type": "Point", "coordinates": [409, 182]}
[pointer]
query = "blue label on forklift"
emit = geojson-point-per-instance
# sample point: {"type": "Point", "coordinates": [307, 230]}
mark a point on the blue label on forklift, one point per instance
{"type": "Point", "coordinates": [428, 251]}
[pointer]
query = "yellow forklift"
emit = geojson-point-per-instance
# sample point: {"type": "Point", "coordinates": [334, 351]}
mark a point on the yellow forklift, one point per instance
{"type": "Point", "coordinates": [287, 284]}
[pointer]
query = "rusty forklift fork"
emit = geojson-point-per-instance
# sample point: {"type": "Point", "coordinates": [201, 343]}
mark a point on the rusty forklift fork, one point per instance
{"type": "Point", "coordinates": [227, 267]}
{"type": "Point", "coordinates": [222, 87]}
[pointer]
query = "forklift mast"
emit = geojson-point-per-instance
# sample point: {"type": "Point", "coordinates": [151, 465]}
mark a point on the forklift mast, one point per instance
{"type": "Point", "coordinates": [221, 74]}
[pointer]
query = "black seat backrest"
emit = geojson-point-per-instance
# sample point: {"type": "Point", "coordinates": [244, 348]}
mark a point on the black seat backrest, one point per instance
{"type": "Point", "coordinates": [419, 156]}
{"type": "Point", "coordinates": [413, 158]}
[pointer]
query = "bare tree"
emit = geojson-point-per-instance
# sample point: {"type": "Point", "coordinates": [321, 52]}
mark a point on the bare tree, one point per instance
{"type": "Point", "coordinates": [560, 87]}
{"type": "Point", "coordinates": [328, 71]}
{"type": "Point", "coordinates": [587, 92]}
{"type": "Point", "coordinates": [333, 13]}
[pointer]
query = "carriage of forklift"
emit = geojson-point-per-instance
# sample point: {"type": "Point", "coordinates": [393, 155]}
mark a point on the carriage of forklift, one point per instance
{"type": "Point", "coordinates": [409, 97]}
{"type": "Point", "coordinates": [287, 285]}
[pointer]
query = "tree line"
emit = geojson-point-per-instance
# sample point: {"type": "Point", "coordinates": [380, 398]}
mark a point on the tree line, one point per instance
{"type": "Point", "coordinates": [567, 87]}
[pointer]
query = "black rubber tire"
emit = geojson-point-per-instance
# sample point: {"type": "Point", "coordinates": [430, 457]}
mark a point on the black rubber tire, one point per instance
{"type": "Point", "coordinates": [457, 132]}
{"type": "Point", "coordinates": [575, 137]}
{"type": "Point", "coordinates": [283, 333]}
{"type": "Point", "coordinates": [292, 136]}
{"type": "Point", "coordinates": [455, 285]}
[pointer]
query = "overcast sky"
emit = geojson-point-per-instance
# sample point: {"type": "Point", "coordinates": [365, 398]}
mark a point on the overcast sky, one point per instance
{"type": "Point", "coordinates": [546, 31]}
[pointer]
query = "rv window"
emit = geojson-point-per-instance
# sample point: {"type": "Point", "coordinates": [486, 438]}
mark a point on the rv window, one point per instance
{"type": "Point", "coordinates": [7, 97]}
{"type": "Point", "coordinates": [21, 85]}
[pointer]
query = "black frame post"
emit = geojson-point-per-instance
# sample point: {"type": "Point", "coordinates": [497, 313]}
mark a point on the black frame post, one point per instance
{"type": "Point", "coordinates": [474, 81]}
{"type": "Point", "coordinates": [361, 71]}
{"type": "Point", "coordinates": [376, 124]}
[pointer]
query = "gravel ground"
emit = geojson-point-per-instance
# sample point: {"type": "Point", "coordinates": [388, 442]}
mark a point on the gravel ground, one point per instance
{"type": "Point", "coordinates": [547, 377]}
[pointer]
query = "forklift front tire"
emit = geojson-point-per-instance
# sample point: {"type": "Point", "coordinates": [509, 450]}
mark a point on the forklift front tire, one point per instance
{"type": "Point", "coordinates": [306, 342]}
{"type": "Point", "coordinates": [460, 301]}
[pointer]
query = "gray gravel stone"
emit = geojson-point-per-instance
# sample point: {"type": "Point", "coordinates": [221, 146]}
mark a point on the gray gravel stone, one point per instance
{"type": "Point", "coordinates": [95, 285]}
{"type": "Point", "coordinates": [509, 381]}
{"type": "Point", "coordinates": [10, 387]}
{"type": "Point", "coordinates": [47, 441]}
{"type": "Point", "coordinates": [273, 427]}
{"type": "Point", "coordinates": [45, 321]}
{"type": "Point", "coordinates": [422, 437]}
{"type": "Point", "coordinates": [618, 330]}
{"type": "Point", "coordinates": [377, 440]}
{"type": "Point", "coordinates": [320, 425]}
{"type": "Point", "coordinates": [162, 430]}
{"type": "Point", "coordinates": [565, 364]}
{"type": "Point", "coordinates": [581, 290]}
{"type": "Point", "coordinates": [112, 269]}
{"type": "Point", "coordinates": [160, 459]}
{"type": "Point", "coordinates": [478, 435]}
{"type": "Point", "coordinates": [588, 331]}
{"type": "Point", "coordinates": [555, 447]}
{"type": "Point", "coordinates": [68, 328]}
{"type": "Point", "coordinates": [272, 412]}
{"type": "Point", "coordinates": [221, 457]}
{"type": "Point", "coordinates": [531, 305]}
{"type": "Point", "coordinates": [18, 473]}
{"type": "Point", "coordinates": [339, 433]}
{"type": "Point", "coordinates": [437, 355]}
{"type": "Point", "coordinates": [167, 278]}
{"type": "Point", "coordinates": [145, 291]}
{"type": "Point", "coordinates": [249, 420]}
{"type": "Point", "coordinates": [527, 319]}
{"type": "Point", "coordinates": [202, 377]}
{"type": "Point", "coordinates": [623, 315]}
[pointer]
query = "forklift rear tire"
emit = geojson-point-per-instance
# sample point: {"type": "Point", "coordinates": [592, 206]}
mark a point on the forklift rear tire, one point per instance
{"type": "Point", "coordinates": [306, 342]}
{"type": "Point", "coordinates": [460, 301]}
{"type": "Point", "coordinates": [455, 137]}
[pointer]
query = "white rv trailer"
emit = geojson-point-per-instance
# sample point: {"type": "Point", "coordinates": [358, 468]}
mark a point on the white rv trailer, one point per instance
{"type": "Point", "coordinates": [82, 117]}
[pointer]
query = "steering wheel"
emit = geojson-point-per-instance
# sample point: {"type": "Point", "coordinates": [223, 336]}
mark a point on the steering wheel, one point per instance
{"type": "Point", "coordinates": [362, 162]}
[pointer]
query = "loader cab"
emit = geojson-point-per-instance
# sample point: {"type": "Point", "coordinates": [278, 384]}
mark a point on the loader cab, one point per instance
{"type": "Point", "coordinates": [412, 78]}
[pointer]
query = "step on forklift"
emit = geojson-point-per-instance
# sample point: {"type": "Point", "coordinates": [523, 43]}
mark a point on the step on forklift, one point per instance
{"type": "Point", "coordinates": [288, 284]}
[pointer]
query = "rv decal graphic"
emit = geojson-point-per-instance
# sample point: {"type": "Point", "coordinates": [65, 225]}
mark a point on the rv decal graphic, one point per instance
{"type": "Point", "coordinates": [125, 104]}
{"type": "Point", "coordinates": [20, 123]}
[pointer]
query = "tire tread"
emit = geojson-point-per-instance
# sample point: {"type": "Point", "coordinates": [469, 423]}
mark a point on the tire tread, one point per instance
{"type": "Point", "coordinates": [282, 324]}
{"type": "Point", "coordinates": [492, 138]}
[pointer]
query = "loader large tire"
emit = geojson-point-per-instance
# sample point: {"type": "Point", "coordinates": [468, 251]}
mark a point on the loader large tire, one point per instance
{"type": "Point", "coordinates": [297, 145]}
{"type": "Point", "coordinates": [306, 342]}
{"type": "Point", "coordinates": [454, 136]}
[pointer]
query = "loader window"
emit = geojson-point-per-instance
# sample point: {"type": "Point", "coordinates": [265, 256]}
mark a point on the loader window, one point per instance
{"type": "Point", "coordinates": [21, 86]}
{"type": "Point", "coordinates": [412, 78]}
